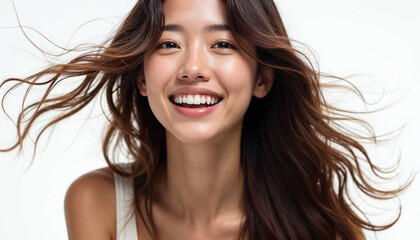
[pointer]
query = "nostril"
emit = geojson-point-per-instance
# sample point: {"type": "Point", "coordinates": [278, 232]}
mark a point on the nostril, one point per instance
{"type": "Point", "coordinates": [195, 76]}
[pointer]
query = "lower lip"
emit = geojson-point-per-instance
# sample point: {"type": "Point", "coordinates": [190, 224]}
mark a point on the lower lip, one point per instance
{"type": "Point", "coordinates": [194, 112]}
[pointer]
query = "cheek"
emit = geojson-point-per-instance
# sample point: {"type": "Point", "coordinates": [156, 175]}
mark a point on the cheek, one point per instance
{"type": "Point", "coordinates": [157, 79]}
{"type": "Point", "coordinates": [238, 75]}
{"type": "Point", "coordinates": [158, 71]}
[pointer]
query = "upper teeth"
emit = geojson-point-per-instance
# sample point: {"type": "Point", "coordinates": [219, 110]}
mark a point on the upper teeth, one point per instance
{"type": "Point", "coordinates": [195, 99]}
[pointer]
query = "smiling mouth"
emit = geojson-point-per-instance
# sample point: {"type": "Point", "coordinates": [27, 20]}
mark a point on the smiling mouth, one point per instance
{"type": "Point", "coordinates": [194, 100]}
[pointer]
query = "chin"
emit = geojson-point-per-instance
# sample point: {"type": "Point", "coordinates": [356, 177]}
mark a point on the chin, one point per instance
{"type": "Point", "coordinates": [193, 134]}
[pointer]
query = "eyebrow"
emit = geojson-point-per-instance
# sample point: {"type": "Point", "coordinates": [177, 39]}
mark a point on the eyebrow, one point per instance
{"type": "Point", "coordinates": [209, 28]}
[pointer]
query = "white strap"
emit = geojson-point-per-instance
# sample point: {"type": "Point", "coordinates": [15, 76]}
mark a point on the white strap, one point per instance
{"type": "Point", "coordinates": [125, 211]}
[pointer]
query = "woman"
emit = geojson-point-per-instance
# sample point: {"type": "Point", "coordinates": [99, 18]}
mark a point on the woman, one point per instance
{"type": "Point", "coordinates": [225, 124]}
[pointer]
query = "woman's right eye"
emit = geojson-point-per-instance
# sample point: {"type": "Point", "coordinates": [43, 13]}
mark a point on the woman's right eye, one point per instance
{"type": "Point", "coordinates": [168, 44]}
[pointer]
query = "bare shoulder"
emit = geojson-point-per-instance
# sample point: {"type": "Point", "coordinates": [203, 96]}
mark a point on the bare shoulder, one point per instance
{"type": "Point", "coordinates": [90, 206]}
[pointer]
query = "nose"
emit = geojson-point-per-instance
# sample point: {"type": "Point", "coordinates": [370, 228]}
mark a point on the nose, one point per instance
{"type": "Point", "coordinates": [195, 64]}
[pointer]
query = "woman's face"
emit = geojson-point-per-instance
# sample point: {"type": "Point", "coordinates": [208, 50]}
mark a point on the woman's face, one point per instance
{"type": "Point", "coordinates": [197, 81]}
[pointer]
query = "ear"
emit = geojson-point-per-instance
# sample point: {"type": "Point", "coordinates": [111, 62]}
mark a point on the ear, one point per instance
{"type": "Point", "coordinates": [141, 84]}
{"type": "Point", "coordinates": [264, 82]}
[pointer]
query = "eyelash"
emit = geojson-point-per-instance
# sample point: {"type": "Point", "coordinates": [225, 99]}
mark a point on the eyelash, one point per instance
{"type": "Point", "coordinates": [162, 44]}
{"type": "Point", "coordinates": [174, 45]}
{"type": "Point", "coordinates": [230, 45]}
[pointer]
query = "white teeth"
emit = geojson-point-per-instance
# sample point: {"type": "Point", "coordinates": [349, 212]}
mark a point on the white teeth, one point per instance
{"type": "Point", "coordinates": [190, 99]}
{"type": "Point", "coordinates": [197, 100]}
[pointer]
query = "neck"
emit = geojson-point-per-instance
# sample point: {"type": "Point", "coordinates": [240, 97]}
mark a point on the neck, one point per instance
{"type": "Point", "coordinates": [204, 182]}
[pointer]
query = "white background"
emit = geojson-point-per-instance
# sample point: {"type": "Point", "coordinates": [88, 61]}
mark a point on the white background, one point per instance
{"type": "Point", "coordinates": [378, 39]}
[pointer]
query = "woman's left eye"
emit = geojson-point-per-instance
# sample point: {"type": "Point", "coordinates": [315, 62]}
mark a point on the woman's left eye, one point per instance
{"type": "Point", "coordinates": [223, 45]}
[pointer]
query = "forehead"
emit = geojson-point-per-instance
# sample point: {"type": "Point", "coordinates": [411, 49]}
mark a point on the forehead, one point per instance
{"type": "Point", "coordinates": [194, 13]}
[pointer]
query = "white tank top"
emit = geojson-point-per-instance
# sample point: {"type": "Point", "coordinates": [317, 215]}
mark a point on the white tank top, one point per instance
{"type": "Point", "coordinates": [125, 210]}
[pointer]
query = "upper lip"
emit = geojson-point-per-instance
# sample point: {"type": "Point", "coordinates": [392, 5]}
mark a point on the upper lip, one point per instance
{"type": "Point", "coordinates": [196, 91]}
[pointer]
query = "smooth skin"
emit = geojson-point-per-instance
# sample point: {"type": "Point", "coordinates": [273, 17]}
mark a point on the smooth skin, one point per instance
{"type": "Point", "coordinates": [199, 192]}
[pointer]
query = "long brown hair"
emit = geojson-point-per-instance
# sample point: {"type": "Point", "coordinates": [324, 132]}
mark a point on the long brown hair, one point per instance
{"type": "Point", "coordinates": [297, 158]}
